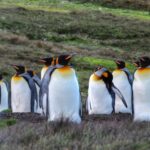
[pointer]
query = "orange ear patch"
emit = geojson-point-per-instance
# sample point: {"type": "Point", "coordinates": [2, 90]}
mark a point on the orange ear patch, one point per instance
{"type": "Point", "coordinates": [144, 71]}
{"type": "Point", "coordinates": [105, 74]}
{"type": "Point", "coordinates": [65, 69]}
{"type": "Point", "coordinates": [16, 78]}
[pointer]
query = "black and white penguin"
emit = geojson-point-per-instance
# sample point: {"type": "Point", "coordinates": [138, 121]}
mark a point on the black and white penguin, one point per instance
{"type": "Point", "coordinates": [4, 94]}
{"type": "Point", "coordinates": [23, 91]}
{"type": "Point", "coordinates": [48, 61]}
{"type": "Point", "coordinates": [37, 82]}
{"type": "Point", "coordinates": [61, 86]}
{"type": "Point", "coordinates": [123, 79]}
{"type": "Point", "coordinates": [141, 90]}
{"type": "Point", "coordinates": [101, 93]}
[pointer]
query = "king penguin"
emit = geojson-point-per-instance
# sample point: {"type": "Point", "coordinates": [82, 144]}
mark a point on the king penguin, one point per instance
{"type": "Point", "coordinates": [23, 91]}
{"type": "Point", "coordinates": [4, 94]}
{"type": "Point", "coordinates": [49, 61]}
{"type": "Point", "coordinates": [141, 90]}
{"type": "Point", "coordinates": [37, 83]}
{"type": "Point", "coordinates": [101, 93]}
{"type": "Point", "coordinates": [123, 79]}
{"type": "Point", "coordinates": [61, 86]}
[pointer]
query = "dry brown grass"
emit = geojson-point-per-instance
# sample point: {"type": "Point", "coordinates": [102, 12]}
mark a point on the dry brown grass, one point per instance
{"type": "Point", "coordinates": [103, 133]}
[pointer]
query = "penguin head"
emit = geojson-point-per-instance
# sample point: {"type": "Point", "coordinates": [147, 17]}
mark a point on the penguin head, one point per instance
{"type": "Point", "coordinates": [120, 64]}
{"type": "Point", "coordinates": [137, 64]}
{"type": "Point", "coordinates": [105, 75]}
{"type": "Point", "coordinates": [63, 60]}
{"type": "Point", "coordinates": [48, 61]}
{"type": "Point", "coordinates": [19, 69]}
{"type": "Point", "coordinates": [31, 73]}
{"type": "Point", "coordinates": [144, 61]}
{"type": "Point", "coordinates": [100, 70]}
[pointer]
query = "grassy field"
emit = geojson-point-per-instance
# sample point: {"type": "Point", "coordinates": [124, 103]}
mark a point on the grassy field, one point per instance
{"type": "Point", "coordinates": [33, 29]}
{"type": "Point", "coordinates": [129, 4]}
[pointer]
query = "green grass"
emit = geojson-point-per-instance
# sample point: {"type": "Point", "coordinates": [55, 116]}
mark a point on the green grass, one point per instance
{"type": "Point", "coordinates": [110, 64]}
{"type": "Point", "coordinates": [7, 122]}
{"type": "Point", "coordinates": [65, 6]}
{"type": "Point", "coordinates": [143, 15]}
{"type": "Point", "coordinates": [87, 29]}
{"type": "Point", "coordinates": [124, 4]}
{"type": "Point", "coordinates": [7, 111]}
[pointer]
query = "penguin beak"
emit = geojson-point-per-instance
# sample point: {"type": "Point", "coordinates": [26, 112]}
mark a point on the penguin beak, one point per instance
{"type": "Point", "coordinates": [42, 61]}
{"type": "Point", "coordinates": [117, 62]}
{"type": "Point", "coordinates": [70, 56]}
{"type": "Point", "coordinates": [135, 64]}
{"type": "Point", "coordinates": [15, 67]}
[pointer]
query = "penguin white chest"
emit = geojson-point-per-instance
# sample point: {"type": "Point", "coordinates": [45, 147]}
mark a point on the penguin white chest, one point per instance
{"type": "Point", "coordinates": [99, 99]}
{"type": "Point", "coordinates": [64, 96]}
{"type": "Point", "coordinates": [4, 96]}
{"type": "Point", "coordinates": [121, 81]}
{"type": "Point", "coordinates": [141, 94]}
{"type": "Point", "coordinates": [20, 95]}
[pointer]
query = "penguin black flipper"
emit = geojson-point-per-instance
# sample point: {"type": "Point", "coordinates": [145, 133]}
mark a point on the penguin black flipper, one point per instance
{"type": "Point", "coordinates": [117, 91]}
{"type": "Point", "coordinates": [130, 79]}
{"type": "Point", "coordinates": [112, 93]}
{"type": "Point", "coordinates": [44, 88]}
{"type": "Point", "coordinates": [9, 93]}
{"type": "Point", "coordinates": [32, 87]}
{"type": "Point", "coordinates": [108, 83]}
{"type": "Point", "coordinates": [37, 80]}
{"type": "Point", "coordinates": [129, 75]}
{"type": "Point", "coordinates": [112, 89]}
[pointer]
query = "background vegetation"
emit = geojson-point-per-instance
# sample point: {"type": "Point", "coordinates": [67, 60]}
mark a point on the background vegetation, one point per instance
{"type": "Point", "coordinates": [99, 34]}
{"type": "Point", "coordinates": [129, 4]}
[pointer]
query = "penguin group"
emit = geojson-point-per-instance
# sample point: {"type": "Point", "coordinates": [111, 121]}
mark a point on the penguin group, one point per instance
{"type": "Point", "coordinates": [56, 94]}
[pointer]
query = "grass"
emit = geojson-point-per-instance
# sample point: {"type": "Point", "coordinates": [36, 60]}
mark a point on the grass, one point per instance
{"type": "Point", "coordinates": [33, 29]}
{"type": "Point", "coordinates": [66, 6]}
{"type": "Point", "coordinates": [143, 15]}
{"type": "Point", "coordinates": [128, 4]}
{"type": "Point", "coordinates": [94, 27]}
{"type": "Point", "coordinates": [7, 122]}
{"type": "Point", "coordinates": [102, 135]}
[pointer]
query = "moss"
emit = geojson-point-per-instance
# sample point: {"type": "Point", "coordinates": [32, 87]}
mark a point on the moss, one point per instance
{"type": "Point", "coordinates": [7, 122]}
{"type": "Point", "coordinates": [7, 111]}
